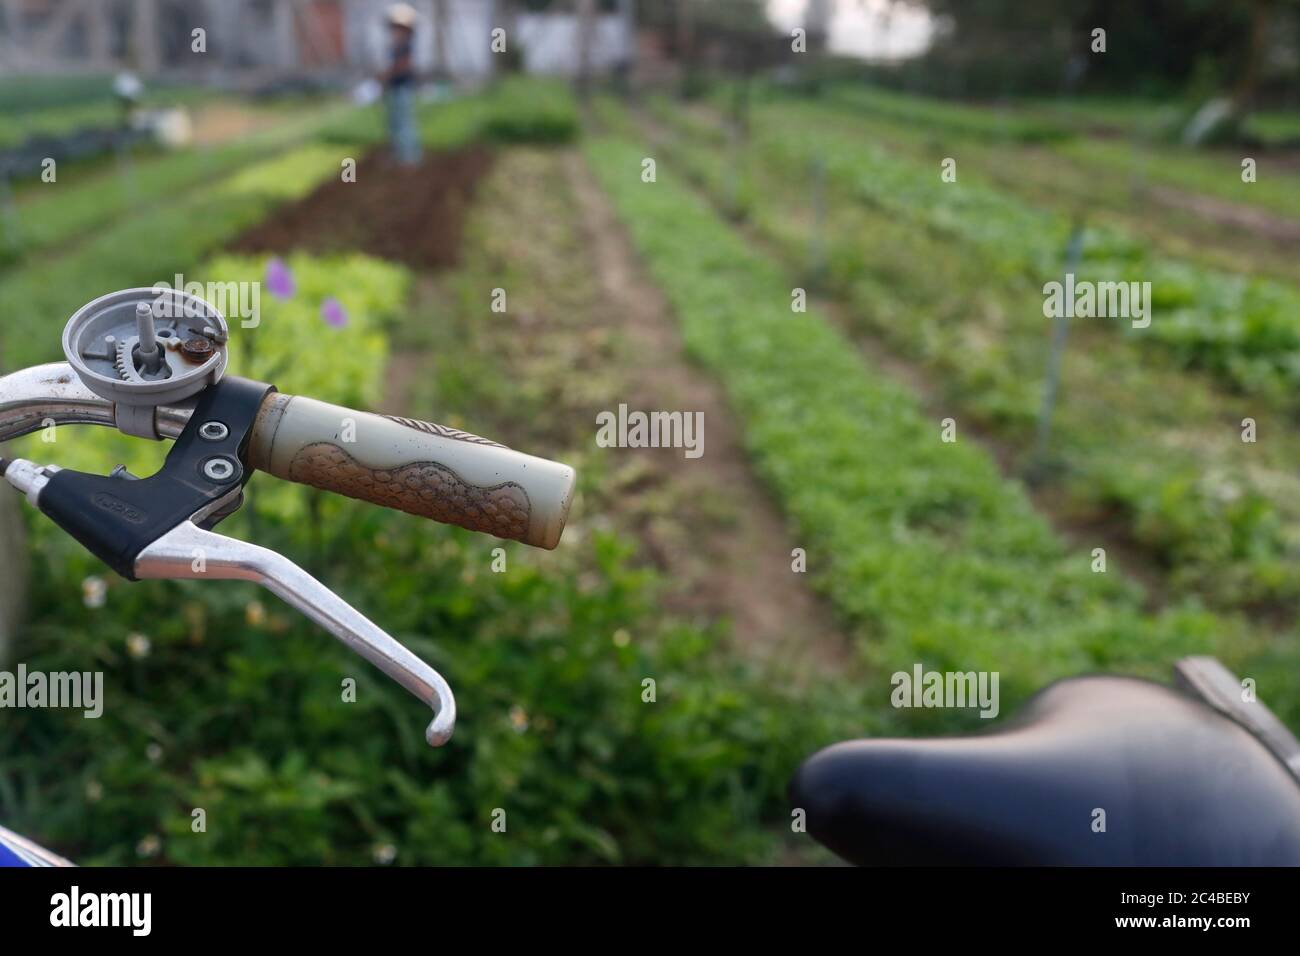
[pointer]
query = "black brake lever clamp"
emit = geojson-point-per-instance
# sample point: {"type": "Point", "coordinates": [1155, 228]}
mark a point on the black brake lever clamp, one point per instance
{"type": "Point", "coordinates": [117, 517]}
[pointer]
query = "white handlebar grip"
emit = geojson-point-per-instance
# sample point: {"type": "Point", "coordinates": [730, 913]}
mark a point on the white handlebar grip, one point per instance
{"type": "Point", "coordinates": [417, 467]}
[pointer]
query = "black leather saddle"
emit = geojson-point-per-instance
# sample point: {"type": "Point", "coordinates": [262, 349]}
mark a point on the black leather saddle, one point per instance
{"type": "Point", "coordinates": [1103, 771]}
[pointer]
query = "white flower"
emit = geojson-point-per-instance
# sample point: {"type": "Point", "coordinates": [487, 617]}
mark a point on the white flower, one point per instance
{"type": "Point", "coordinates": [94, 592]}
{"type": "Point", "coordinates": [518, 719]}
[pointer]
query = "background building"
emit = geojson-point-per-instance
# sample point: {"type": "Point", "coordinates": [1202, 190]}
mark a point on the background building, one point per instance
{"type": "Point", "coordinates": [252, 40]}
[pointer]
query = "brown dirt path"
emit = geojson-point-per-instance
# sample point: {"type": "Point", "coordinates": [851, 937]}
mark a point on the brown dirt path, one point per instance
{"type": "Point", "coordinates": [1222, 212]}
{"type": "Point", "coordinates": [744, 573]}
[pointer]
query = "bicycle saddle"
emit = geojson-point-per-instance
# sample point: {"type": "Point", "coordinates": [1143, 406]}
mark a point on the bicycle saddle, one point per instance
{"type": "Point", "coordinates": [1183, 780]}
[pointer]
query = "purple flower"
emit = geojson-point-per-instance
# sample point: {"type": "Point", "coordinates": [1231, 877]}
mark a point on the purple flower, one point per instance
{"type": "Point", "coordinates": [279, 280]}
{"type": "Point", "coordinates": [332, 311]}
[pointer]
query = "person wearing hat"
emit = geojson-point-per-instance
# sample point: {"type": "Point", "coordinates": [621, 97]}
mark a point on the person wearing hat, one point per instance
{"type": "Point", "coordinates": [399, 84]}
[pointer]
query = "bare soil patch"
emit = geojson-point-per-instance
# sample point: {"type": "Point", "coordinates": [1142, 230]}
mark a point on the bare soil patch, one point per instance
{"type": "Point", "coordinates": [409, 214]}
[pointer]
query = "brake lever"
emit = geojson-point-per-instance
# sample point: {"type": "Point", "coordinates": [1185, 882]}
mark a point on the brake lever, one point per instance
{"type": "Point", "coordinates": [187, 552]}
{"type": "Point", "coordinates": [190, 552]}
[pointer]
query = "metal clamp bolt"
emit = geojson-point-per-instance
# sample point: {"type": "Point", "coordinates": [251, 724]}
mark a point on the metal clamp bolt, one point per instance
{"type": "Point", "coordinates": [213, 431]}
{"type": "Point", "coordinates": [219, 469]}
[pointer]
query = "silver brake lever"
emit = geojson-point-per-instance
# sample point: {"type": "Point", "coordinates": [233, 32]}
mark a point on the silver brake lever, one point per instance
{"type": "Point", "coordinates": [189, 552]}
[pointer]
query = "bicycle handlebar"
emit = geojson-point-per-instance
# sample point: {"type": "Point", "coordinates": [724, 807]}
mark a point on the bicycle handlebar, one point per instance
{"type": "Point", "coordinates": [418, 467]}
{"type": "Point", "coordinates": [153, 528]}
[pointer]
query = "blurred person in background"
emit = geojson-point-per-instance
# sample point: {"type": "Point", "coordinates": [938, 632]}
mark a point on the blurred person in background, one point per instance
{"type": "Point", "coordinates": [399, 84]}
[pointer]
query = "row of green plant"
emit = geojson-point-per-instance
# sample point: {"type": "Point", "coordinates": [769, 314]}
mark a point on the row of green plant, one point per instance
{"type": "Point", "coordinates": [81, 201]}
{"type": "Point", "coordinates": [26, 94]}
{"type": "Point", "coordinates": [513, 110]}
{"type": "Point", "coordinates": [1148, 117]}
{"type": "Point", "coordinates": [1142, 445]}
{"type": "Point", "coordinates": [151, 247]}
{"type": "Point", "coordinates": [57, 121]}
{"type": "Point", "coordinates": [38, 94]}
{"type": "Point", "coordinates": [1246, 329]}
{"type": "Point", "coordinates": [948, 117]}
{"type": "Point", "coordinates": [1275, 189]}
{"type": "Point", "coordinates": [1212, 172]}
{"type": "Point", "coordinates": [59, 106]}
{"type": "Point", "coordinates": [1132, 197]}
{"type": "Point", "coordinates": [919, 541]}
{"type": "Point", "coordinates": [156, 242]}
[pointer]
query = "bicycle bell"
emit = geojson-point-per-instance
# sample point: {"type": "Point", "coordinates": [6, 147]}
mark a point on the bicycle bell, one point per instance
{"type": "Point", "coordinates": [141, 348]}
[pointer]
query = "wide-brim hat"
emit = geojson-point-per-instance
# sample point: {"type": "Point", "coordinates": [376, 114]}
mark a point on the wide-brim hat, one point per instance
{"type": "Point", "coordinates": [402, 15]}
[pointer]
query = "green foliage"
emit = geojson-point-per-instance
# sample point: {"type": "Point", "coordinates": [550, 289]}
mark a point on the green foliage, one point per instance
{"type": "Point", "coordinates": [244, 707]}
{"type": "Point", "coordinates": [957, 119]}
{"type": "Point", "coordinates": [50, 217]}
{"type": "Point", "coordinates": [1276, 190]}
{"type": "Point", "coordinates": [925, 546]}
{"type": "Point", "coordinates": [971, 312]}
{"type": "Point", "coordinates": [146, 249]}
{"type": "Point", "coordinates": [59, 105]}
{"type": "Point", "coordinates": [1245, 329]}
{"type": "Point", "coordinates": [995, 47]}
{"type": "Point", "coordinates": [57, 121]}
{"type": "Point", "coordinates": [44, 94]}
{"type": "Point", "coordinates": [29, 94]}
{"type": "Point", "coordinates": [514, 110]}
{"type": "Point", "coordinates": [525, 110]}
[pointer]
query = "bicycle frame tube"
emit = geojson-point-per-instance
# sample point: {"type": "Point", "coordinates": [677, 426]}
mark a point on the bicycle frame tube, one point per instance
{"type": "Point", "coordinates": [16, 851]}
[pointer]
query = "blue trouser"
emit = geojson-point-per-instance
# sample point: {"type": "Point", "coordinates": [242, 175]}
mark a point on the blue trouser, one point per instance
{"type": "Point", "coordinates": [402, 131]}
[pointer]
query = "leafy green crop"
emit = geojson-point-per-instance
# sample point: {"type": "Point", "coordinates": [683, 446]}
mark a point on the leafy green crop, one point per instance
{"type": "Point", "coordinates": [922, 542]}
{"type": "Point", "coordinates": [961, 119]}
{"type": "Point", "coordinates": [143, 250]}
{"type": "Point", "coordinates": [57, 121]}
{"type": "Point", "coordinates": [1224, 522]}
{"type": "Point", "coordinates": [1245, 329]}
{"type": "Point", "coordinates": [76, 206]}
{"type": "Point", "coordinates": [514, 110]}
